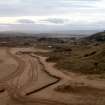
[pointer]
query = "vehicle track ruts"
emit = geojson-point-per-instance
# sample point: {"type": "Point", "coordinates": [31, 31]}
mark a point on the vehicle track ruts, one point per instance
{"type": "Point", "coordinates": [19, 69]}
{"type": "Point", "coordinates": [35, 78]}
{"type": "Point", "coordinates": [33, 75]}
{"type": "Point", "coordinates": [15, 93]}
{"type": "Point", "coordinates": [43, 67]}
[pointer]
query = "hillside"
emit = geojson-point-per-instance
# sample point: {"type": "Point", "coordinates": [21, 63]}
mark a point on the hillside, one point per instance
{"type": "Point", "coordinates": [80, 57]}
{"type": "Point", "coordinates": [100, 37]}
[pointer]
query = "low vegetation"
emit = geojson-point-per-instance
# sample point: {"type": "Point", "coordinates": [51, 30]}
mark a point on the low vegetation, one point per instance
{"type": "Point", "coordinates": [79, 89]}
{"type": "Point", "coordinates": [88, 58]}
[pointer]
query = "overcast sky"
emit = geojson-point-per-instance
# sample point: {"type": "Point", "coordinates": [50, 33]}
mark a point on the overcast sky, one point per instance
{"type": "Point", "coordinates": [52, 14]}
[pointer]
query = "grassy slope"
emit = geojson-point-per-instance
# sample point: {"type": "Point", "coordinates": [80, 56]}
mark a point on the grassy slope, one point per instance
{"type": "Point", "coordinates": [86, 56]}
{"type": "Point", "coordinates": [86, 59]}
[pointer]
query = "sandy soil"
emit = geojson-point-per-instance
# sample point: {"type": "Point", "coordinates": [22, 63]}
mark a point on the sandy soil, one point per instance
{"type": "Point", "coordinates": [7, 64]}
{"type": "Point", "coordinates": [27, 79]}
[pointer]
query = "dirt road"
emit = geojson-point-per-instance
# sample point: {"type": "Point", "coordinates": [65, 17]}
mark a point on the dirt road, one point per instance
{"type": "Point", "coordinates": [29, 77]}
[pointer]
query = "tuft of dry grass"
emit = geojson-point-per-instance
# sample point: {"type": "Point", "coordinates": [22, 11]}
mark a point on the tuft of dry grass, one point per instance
{"type": "Point", "coordinates": [80, 89]}
{"type": "Point", "coordinates": [84, 94]}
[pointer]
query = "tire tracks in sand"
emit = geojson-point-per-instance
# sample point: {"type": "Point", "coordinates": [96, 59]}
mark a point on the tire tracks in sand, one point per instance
{"type": "Point", "coordinates": [15, 93]}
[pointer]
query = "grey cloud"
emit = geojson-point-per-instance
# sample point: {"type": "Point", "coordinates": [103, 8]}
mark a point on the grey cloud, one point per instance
{"type": "Point", "coordinates": [26, 21]}
{"type": "Point", "coordinates": [50, 8]}
{"type": "Point", "coordinates": [56, 20]}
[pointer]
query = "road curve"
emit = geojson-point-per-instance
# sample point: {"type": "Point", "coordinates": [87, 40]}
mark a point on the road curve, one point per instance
{"type": "Point", "coordinates": [15, 92]}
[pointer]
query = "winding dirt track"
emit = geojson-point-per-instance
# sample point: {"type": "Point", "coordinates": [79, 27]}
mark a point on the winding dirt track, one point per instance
{"type": "Point", "coordinates": [25, 76]}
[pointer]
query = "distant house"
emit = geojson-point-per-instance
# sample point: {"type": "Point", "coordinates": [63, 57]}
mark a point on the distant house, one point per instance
{"type": "Point", "coordinates": [50, 46]}
{"type": "Point", "coordinates": [3, 43]}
